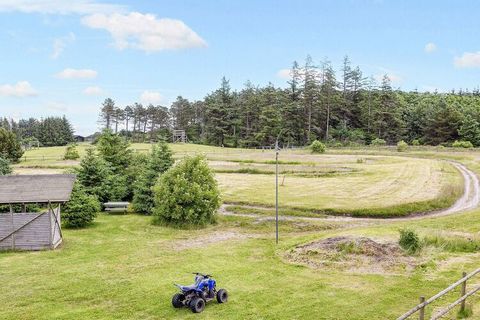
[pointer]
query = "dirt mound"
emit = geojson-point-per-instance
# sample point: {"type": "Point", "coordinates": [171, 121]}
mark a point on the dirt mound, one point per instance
{"type": "Point", "coordinates": [357, 254]}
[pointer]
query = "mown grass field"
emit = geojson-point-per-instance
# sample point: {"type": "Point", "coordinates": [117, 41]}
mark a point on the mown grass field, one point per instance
{"type": "Point", "coordinates": [123, 267]}
{"type": "Point", "coordinates": [373, 185]}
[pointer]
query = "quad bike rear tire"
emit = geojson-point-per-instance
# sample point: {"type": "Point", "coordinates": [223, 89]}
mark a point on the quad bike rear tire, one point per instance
{"type": "Point", "coordinates": [222, 296]}
{"type": "Point", "coordinates": [177, 300]}
{"type": "Point", "coordinates": [197, 305]}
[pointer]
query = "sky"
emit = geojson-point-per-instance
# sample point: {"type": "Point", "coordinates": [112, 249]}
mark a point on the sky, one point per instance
{"type": "Point", "coordinates": [60, 57]}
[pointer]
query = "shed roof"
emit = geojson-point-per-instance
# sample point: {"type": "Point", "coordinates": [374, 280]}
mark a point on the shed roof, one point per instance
{"type": "Point", "coordinates": [36, 188]}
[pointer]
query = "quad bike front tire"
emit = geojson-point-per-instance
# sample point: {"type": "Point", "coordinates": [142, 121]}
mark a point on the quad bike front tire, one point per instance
{"type": "Point", "coordinates": [177, 300]}
{"type": "Point", "coordinates": [222, 296]}
{"type": "Point", "coordinates": [197, 305]}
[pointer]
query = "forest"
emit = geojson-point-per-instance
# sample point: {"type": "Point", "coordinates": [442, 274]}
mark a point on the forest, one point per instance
{"type": "Point", "coordinates": [340, 108]}
{"type": "Point", "coordinates": [51, 131]}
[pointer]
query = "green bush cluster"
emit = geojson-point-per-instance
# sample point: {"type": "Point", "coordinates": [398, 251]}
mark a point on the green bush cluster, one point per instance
{"type": "Point", "coordinates": [10, 148]}
{"type": "Point", "coordinates": [415, 142]}
{"type": "Point", "coordinates": [409, 241]}
{"type": "Point", "coordinates": [462, 144]}
{"type": "Point", "coordinates": [159, 161]}
{"type": "Point", "coordinates": [81, 210]}
{"type": "Point", "coordinates": [318, 147]}
{"type": "Point", "coordinates": [378, 142]}
{"type": "Point", "coordinates": [186, 195]}
{"type": "Point", "coordinates": [402, 146]}
{"type": "Point", "coordinates": [5, 167]}
{"type": "Point", "coordinates": [71, 153]}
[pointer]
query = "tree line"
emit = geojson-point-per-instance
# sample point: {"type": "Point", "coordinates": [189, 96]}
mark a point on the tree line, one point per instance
{"type": "Point", "coordinates": [50, 131]}
{"type": "Point", "coordinates": [342, 107]}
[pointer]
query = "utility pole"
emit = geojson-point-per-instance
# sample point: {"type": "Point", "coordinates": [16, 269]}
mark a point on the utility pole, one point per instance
{"type": "Point", "coordinates": [277, 150]}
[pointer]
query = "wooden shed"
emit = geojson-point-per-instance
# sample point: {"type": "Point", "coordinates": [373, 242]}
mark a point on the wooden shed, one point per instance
{"type": "Point", "coordinates": [33, 231]}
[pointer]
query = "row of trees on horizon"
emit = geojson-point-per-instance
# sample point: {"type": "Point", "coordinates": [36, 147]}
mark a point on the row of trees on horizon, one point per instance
{"type": "Point", "coordinates": [50, 131]}
{"type": "Point", "coordinates": [316, 104]}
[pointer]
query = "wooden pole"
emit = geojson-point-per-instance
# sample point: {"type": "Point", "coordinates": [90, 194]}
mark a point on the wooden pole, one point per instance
{"type": "Point", "coordinates": [421, 315]}
{"type": "Point", "coordinates": [13, 227]}
{"type": "Point", "coordinates": [463, 291]}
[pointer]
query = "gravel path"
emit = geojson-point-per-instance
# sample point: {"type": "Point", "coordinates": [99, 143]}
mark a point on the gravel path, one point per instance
{"type": "Point", "coordinates": [469, 200]}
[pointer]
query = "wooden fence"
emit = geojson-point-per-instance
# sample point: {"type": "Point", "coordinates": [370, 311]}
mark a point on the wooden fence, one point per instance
{"type": "Point", "coordinates": [420, 308]}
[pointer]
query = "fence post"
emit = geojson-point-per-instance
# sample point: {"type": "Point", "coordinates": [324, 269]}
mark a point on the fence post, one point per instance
{"type": "Point", "coordinates": [421, 314]}
{"type": "Point", "coordinates": [463, 291]}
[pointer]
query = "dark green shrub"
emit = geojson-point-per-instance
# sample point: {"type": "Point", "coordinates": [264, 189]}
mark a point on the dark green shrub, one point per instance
{"type": "Point", "coordinates": [402, 146]}
{"type": "Point", "coordinates": [10, 148]}
{"type": "Point", "coordinates": [186, 195]}
{"type": "Point", "coordinates": [95, 176]}
{"type": "Point", "coordinates": [415, 142]}
{"type": "Point", "coordinates": [4, 167]}
{"type": "Point", "coordinates": [409, 241]}
{"type": "Point", "coordinates": [462, 144]}
{"type": "Point", "coordinates": [159, 161]}
{"type": "Point", "coordinates": [378, 142]}
{"type": "Point", "coordinates": [81, 210]}
{"type": "Point", "coordinates": [115, 151]}
{"type": "Point", "coordinates": [71, 153]}
{"type": "Point", "coordinates": [318, 147]}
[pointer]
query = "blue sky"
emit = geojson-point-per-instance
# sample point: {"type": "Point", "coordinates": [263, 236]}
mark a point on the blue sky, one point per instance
{"type": "Point", "coordinates": [65, 57]}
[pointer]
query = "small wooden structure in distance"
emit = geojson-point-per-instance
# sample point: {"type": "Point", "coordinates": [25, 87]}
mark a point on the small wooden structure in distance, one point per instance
{"type": "Point", "coordinates": [179, 136]}
{"type": "Point", "coordinates": [33, 231]}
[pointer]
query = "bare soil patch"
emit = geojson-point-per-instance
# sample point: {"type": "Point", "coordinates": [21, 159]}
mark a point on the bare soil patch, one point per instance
{"type": "Point", "coordinates": [355, 254]}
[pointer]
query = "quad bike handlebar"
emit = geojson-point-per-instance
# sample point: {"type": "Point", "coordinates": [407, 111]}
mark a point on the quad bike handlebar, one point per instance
{"type": "Point", "coordinates": [203, 275]}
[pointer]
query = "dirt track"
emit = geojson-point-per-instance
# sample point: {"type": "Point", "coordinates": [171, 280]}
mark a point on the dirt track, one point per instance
{"type": "Point", "coordinates": [469, 200]}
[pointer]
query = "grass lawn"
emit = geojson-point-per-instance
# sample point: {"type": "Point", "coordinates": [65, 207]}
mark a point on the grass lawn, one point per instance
{"type": "Point", "coordinates": [123, 268]}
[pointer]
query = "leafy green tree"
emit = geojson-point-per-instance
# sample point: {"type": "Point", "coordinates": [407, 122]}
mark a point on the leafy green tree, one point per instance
{"type": "Point", "coordinates": [187, 195]}
{"type": "Point", "coordinates": [94, 175]}
{"type": "Point", "coordinates": [5, 167]}
{"type": "Point", "coordinates": [10, 148]}
{"type": "Point", "coordinates": [81, 209]}
{"type": "Point", "coordinates": [159, 161]}
{"type": "Point", "coordinates": [470, 130]}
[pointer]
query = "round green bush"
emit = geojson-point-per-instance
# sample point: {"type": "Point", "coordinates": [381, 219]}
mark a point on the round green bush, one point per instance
{"type": "Point", "coordinates": [415, 142]}
{"type": "Point", "coordinates": [402, 146]}
{"type": "Point", "coordinates": [409, 241]}
{"type": "Point", "coordinates": [81, 210]}
{"type": "Point", "coordinates": [186, 195]}
{"type": "Point", "coordinates": [71, 153]}
{"type": "Point", "coordinates": [378, 142]}
{"type": "Point", "coordinates": [318, 147]}
{"type": "Point", "coordinates": [462, 144]}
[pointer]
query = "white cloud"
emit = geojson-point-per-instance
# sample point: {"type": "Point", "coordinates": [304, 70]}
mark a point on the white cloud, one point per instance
{"type": "Point", "coordinates": [20, 89]}
{"type": "Point", "coordinates": [145, 31]}
{"type": "Point", "coordinates": [59, 44]}
{"type": "Point", "coordinates": [93, 91]}
{"type": "Point", "coordinates": [284, 74]}
{"type": "Point", "coordinates": [70, 73]}
{"type": "Point", "coordinates": [59, 6]}
{"type": "Point", "coordinates": [430, 47]}
{"type": "Point", "coordinates": [468, 60]}
{"type": "Point", "coordinates": [152, 97]}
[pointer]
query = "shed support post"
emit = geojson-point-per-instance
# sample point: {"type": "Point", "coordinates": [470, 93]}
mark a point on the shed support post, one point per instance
{"type": "Point", "coordinates": [463, 291]}
{"type": "Point", "coordinates": [421, 314]}
{"type": "Point", "coordinates": [13, 227]}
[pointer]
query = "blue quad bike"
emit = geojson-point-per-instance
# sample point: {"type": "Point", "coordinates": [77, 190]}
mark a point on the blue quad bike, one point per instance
{"type": "Point", "coordinates": [198, 294]}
